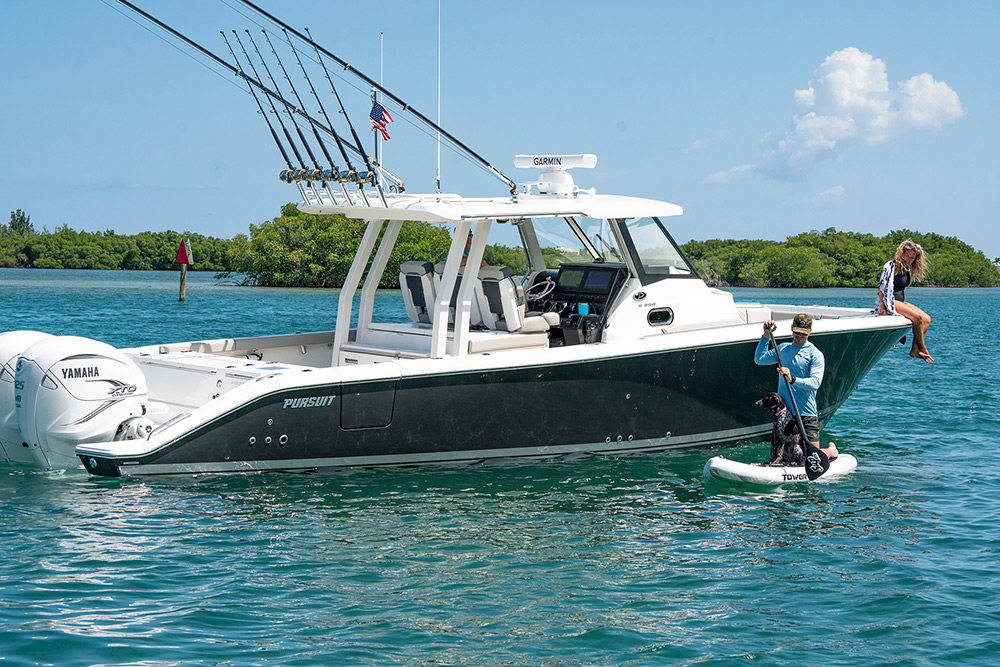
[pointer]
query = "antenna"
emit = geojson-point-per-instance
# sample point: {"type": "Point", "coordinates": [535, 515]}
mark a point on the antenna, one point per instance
{"type": "Point", "coordinates": [439, 102]}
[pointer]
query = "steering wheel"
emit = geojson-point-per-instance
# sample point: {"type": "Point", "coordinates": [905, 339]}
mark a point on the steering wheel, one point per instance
{"type": "Point", "coordinates": [540, 290]}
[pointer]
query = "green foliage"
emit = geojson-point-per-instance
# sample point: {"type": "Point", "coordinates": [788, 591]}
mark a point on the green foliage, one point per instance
{"type": "Point", "coordinates": [69, 249]}
{"type": "Point", "coordinates": [20, 225]}
{"type": "Point", "coordinates": [515, 258]}
{"type": "Point", "coordinates": [831, 258]}
{"type": "Point", "coordinates": [303, 250]}
{"type": "Point", "coordinates": [788, 266]}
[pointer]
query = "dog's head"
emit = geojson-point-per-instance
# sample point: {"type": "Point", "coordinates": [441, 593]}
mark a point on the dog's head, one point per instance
{"type": "Point", "coordinates": [771, 401]}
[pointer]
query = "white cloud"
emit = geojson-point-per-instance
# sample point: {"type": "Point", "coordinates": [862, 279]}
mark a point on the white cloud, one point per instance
{"type": "Point", "coordinates": [834, 195]}
{"type": "Point", "coordinates": [728, 175]}
{"type": "Point", "coordinates": [703, 143]}
{"type": "Point", "coordinates": [929, 103]}
{"type": "Point", "coordinates": [849, 102]}
{"type": "Point", "coordinates": [698, 145]}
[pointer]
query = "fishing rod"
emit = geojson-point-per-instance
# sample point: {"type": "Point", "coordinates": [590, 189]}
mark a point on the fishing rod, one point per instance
{"type": "Point", "coordinates": [322, 110]}
{"type": "Point", "coordinates": [296, 93]}
{"type": "Point", "coordinates": [288, 108]}
{"type": "Point", "coordinates": [350, 125]}
{"type": "Point", "coordinates": [340, 177]}
{"type": "Point", "coordinates": [246, 77]}
{"type": "Point", "coordinates": [261, 107]}
{"type": "Point", "coordinates": [406, 107]}
{"type": "Point", "coordinates": [284, 129]}
{"type": "Point", "coordinates": [341, 103]}
{"type": "Point", "coordinates": [270, 101]}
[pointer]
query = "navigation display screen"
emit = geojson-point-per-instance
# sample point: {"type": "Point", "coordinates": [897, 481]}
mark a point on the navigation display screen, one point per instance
{"type": "Point", "coordinates": [585, 279]}
{"type": "Point", "coordinates": [571, 278]}
{"type": "Point", "coordinates": [598, 281]}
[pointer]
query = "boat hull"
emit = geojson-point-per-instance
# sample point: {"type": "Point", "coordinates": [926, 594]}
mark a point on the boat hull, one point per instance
{"type": "Point", "coordinates": [647, 401]}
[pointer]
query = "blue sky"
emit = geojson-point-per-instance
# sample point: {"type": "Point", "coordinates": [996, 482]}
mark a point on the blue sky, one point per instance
{"type": "Point", "coordinates": [761, 119]}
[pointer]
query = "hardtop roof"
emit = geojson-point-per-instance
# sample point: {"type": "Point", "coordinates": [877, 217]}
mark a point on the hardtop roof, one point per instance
{"type": "Point", "coordinates": [447, 208]}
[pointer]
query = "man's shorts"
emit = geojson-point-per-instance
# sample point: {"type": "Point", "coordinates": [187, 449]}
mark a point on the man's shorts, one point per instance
{"type": "Point", "coordinates": [812, 427]}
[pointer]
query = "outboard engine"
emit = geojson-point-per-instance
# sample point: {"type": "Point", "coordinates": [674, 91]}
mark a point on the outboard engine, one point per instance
{"type": "Point", "coordinates": [12, 344]}
{"type": "Point", "coordinates": [71, 390]}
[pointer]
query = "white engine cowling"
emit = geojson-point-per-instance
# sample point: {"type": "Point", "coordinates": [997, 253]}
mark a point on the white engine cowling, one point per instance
{"type": "Point", "coordinates": [71, 390]}
{"type": "Point", "coordinates": [12, 344]}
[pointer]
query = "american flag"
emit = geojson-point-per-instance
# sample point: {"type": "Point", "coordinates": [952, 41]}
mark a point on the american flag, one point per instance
{"type": "Point", "coordinates": [379, 118]}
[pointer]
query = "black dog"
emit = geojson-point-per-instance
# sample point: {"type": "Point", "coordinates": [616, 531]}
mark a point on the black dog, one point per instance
{"type": "Point", "coordinates": [786, 446]}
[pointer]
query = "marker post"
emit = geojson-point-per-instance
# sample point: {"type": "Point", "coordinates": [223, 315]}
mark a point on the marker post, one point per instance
{"type": "Point", "coordinates": [184, 257]}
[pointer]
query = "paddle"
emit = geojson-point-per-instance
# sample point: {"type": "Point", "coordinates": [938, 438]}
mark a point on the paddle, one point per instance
{"type": "Point", "coordinates": [817, 462]}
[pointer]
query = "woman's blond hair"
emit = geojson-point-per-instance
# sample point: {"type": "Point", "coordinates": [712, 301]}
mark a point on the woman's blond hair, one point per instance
{"type": "Point", "coordinates": [919, 262]}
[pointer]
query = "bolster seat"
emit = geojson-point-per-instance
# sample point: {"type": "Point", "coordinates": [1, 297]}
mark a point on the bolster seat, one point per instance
{"type": "Point", "coordinates": [416, 280]}
{"type": "Point", "coordinates": [475, 317]}
{"type": "Point", "coordinates": [502, 302]}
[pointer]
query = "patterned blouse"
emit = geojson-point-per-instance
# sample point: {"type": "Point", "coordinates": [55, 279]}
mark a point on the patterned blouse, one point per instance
{"type": "Point", "coordinates": [885, 285]}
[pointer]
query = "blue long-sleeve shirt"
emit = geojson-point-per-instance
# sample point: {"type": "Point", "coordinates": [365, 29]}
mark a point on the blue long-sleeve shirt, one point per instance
{"type": "Point", "coordinates": [806, 364]}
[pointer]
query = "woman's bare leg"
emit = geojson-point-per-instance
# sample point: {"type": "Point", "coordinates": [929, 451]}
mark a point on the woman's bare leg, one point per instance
{"type": "Point", "coordinates": [921, 322]}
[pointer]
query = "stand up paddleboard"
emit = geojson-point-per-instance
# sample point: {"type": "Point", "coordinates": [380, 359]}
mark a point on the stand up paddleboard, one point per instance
{"type": "Point", "coordinates": [719, 467]}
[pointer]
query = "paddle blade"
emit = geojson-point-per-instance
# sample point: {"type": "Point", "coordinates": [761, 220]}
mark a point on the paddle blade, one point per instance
{"type": "Point", "coordinates": [817, 462]}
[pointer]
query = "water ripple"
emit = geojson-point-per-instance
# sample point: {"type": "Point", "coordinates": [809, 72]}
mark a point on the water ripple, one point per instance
{"type": "Point", "coordinates": [580, 561]}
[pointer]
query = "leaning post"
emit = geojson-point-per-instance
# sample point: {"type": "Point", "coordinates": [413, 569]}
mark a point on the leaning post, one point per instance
{"type": "Point", "coordinates": [184, 257]}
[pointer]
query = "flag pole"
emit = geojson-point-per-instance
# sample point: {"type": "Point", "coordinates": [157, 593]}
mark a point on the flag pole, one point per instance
{"type": "Point", "coordinates": [381, 70]}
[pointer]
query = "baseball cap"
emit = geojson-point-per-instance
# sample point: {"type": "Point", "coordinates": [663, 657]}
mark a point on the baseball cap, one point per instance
{"type": "Point", "coordinates": [802, 324]}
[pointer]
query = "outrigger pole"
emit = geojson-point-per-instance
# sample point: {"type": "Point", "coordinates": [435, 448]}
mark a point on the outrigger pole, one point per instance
{"type": "Point", "coordinates": [406, 107]}
{"type": "Point", "coordinates": [250, 81]}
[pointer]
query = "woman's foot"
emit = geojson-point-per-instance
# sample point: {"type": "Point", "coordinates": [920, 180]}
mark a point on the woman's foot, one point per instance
{"type": "Point", "coordinates": [922, 355]}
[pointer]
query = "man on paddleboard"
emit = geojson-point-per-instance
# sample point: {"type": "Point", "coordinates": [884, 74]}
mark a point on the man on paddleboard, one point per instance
{"type": "Point", "coordinates": [803, 370]}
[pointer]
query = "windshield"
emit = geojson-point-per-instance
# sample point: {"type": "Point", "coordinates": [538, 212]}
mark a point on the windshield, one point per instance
{"type": "Point", "coordinates": [658, 255]}
{"type": "Point", "coordinates": [560, 244]}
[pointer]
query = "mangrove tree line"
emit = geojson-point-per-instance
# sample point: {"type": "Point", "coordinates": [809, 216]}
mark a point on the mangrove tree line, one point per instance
{"type": "Point", "coordinates": [302, 250]}
{"type": "Point", "coordinates": [23, 247]}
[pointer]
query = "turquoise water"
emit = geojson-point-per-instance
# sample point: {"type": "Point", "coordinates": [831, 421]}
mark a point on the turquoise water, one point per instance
{"type": "Point", "coordinates": [581, 561]}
